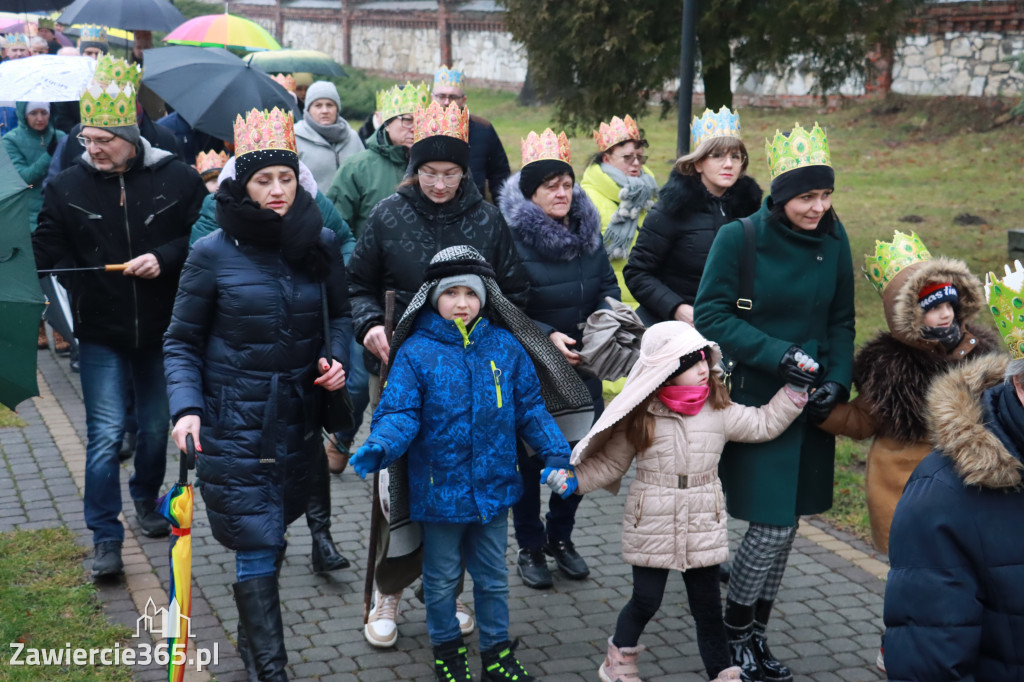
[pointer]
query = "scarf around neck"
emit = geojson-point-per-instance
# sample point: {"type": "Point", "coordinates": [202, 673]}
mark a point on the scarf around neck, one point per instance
{"type": "Point", "coordinates": [686, 400]}
{"type": "Point", "coordinates": [335, 133]}
{"type": "Point", "coordinates": [636, 196]}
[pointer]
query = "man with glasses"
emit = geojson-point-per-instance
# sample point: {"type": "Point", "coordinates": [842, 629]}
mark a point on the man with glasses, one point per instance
{"type": "Point", "coordinates": [122, 202]}
{"type": "Point", "coordinates": [488, 163]}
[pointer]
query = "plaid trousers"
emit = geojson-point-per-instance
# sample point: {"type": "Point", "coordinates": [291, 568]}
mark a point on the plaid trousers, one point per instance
{"type": "Point", "coordinates": [760, 562]}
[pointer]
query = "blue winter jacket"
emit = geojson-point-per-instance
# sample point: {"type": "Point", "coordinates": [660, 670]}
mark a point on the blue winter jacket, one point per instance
{"type": "Point", "coordinates": [954, 603]}
{"type": "Point", "coordinates": [241, 352]}
{"type": "Point", "coordinates": [456, 405]}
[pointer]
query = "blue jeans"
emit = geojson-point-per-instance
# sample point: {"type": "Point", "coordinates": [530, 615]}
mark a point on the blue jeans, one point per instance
{"type": "Point", "coordinates": [358, 381]}
{"type": "Point", "coordinates": [107, 373]}
{"type": "Point", "coordinates": [481, 547]}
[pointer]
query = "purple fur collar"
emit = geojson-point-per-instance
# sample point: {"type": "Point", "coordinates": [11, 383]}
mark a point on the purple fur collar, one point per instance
{"type": "Point", "coordinates": [544, 234]}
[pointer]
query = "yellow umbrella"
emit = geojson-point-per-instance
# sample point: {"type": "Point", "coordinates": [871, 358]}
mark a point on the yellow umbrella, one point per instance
{"type": "Point", "coordinates": [176, 507]}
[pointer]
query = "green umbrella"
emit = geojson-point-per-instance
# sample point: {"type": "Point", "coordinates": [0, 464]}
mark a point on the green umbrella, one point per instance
{"type": "Point", "coordinates": [21, 300]}
{"type": "Point", "coordinates": [296, 61]}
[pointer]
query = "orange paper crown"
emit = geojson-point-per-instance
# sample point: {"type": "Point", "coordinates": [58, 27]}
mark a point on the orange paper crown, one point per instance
{"type": "Point", "coordinates": [545, 146]}
{"type": "Point", "coordinates": [261, 130]}
{"type": "Point", "coordinates": [285, 80]}
{"type": "Point", "coordinates": [210, 161]}
{"type": "Point", "coordinates": [435, 120]}
{"type": "Point", "coordinates": [618, 130]}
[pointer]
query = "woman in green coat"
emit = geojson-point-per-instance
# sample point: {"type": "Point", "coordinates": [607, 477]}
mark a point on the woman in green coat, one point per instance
{"type": "Point", "coordinates": [30, 147]}
{"type": "Point", "coordinates": [801, 300]}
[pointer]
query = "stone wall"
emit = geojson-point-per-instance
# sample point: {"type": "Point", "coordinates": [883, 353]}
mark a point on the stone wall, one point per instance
{"type": "Point", "coordinates": [489, 56]}
{"type": "Point", "coordinates": [971, 64]}
{"type": "Point", "coordinates": [393, 49]}
{"type": "Point", "coordinates": [325, 36]}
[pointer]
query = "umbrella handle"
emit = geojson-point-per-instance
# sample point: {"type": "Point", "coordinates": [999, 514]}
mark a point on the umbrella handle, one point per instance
{"type": "Point", "coordinates": [188, 459]}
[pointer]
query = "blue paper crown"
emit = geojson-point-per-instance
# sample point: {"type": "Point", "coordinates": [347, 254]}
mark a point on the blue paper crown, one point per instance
{"type": "Point", "coordinates": [446, 76]}
{"type": "Point", "coordinates": [93, 34]}
{"type": "Point", "coordinates": [723, 123]}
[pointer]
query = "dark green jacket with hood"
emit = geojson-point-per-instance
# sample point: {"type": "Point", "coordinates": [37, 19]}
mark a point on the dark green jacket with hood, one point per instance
{"type": "Point", "coordinates": [27, 149]}
{"type": "Point", "coordinates": [365, 178]}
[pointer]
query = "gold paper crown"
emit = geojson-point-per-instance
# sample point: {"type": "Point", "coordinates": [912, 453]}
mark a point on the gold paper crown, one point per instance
{"type": "Point", "coordinates": [17, 40]}
{"type": "Point", "coordinates": [435, 120]}
{"type": "Point", "coordinates": [262, 130]}
{"type": "Point", "coordinates": [797, 149]}
{"type": "Point", "coordinates": [545, 146]}
{"type": "Point", "coordinates": [93, 34]}
{"type": "Point", "coordinates": [285, 80]}
{"type": "Point", "coordinates": [402, 100]}
{"type": "Point", "coordinates": [618, 130]}
{"type": "Point", "coordinates": [725, 123]}
{"type": "Point", "coordinates": [1006, 303]}
{"type": "Point", "coordinates": [46, 22]}
{"type": "Point", "coordinates": [109, 101]}
{"type": "Point", "coordinates": [210, 161]}
{"type": "Point", "coordinates": [449, 77]}
{"type": "Point", "coordinates": [891, 257]}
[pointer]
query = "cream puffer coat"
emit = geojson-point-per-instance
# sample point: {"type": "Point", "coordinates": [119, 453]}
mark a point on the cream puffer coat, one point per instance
{"type": "Point", "coordinates": [665, 525]}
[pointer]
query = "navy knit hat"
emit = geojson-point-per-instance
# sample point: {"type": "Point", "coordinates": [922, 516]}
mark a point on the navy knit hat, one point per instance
{"type": "Point", "coordinates": [936, 294]}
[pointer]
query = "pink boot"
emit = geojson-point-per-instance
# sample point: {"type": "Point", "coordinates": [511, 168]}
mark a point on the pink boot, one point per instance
{"type": "Point", "coordinates": [620, 664]}
{"type": "Point", "coordinates": [733, 673]}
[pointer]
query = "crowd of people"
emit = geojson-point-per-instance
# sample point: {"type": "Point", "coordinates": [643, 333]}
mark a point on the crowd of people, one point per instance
{"type": "Point", "coordinates": [255, 291]}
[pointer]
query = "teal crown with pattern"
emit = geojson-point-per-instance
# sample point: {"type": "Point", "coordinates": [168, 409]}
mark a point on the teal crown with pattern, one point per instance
{"type": "Point", "coordinates": [723, 123]}
{"type": "Point", "coordinates": [93, 34]}
{"type": "Point", "coordinates": [449, 78]}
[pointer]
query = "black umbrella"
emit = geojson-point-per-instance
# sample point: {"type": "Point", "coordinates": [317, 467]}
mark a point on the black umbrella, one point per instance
{"type": "Point", "coordinates": [132, 15]}
{"type": "Point", "coordinates": [31, 5]}
{"type": "Point", "coordinates": [209, 87]}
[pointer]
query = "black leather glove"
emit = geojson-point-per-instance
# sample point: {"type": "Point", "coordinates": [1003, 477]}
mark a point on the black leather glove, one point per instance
{"type": "Point", "coordinates": [821, 402]}
{"type": "Point", "coordinates": [798, 367]}
{"type": "Point", "coordinates": [52, 147]}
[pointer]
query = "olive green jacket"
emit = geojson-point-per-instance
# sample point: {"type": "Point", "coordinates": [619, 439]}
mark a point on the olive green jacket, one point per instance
{"type": "Point", "coordinates": [366, 177]}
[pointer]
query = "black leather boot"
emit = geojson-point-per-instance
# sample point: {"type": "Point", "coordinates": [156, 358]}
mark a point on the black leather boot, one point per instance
{"type": "Point", "coordinates": [451, 663]}
{"type": "Point", "coordinates": [259, 615]}
{"type": "Point", "coordinates": [739, 627]}
{"type": "Point", "coordinates": [774, 671]}
{"type": "Point", "coordinates": [326, 557]}
{"type": "Point", "coordinates": [724, 571]}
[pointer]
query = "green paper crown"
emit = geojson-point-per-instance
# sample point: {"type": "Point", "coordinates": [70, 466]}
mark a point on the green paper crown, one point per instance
{"type": "Point", "coordinates": [797, 149]}
{"type": "Point", "coordinates": [1006, 303]}
{"type": "Point", "coordinates": [891, 257]}
{"type": "Point", "coordinates": [109, 101]}
{"type": "Point", "coordinates": [402, 100]}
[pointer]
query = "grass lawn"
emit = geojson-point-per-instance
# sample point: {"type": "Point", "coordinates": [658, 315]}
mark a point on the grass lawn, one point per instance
{"type": "Point", "coordinates": [926, 160]}
{"type": "Point", "coordinates": [9, 418]}
{"type": "Point", "coordinates": [45, 603]}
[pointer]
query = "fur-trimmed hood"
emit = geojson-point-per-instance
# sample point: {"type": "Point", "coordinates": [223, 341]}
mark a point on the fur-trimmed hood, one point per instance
{"type": "Point", "coordinates": [905, 317]}
{"type": "Point", "coordinates": [685, 194]}
{"type": "Point", "coordinates": [957, 419]}
{"type": "Point", "coordinates": [547, 236]}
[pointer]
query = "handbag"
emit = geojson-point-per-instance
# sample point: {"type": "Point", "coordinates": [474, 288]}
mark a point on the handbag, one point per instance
{"type": "Point", "coordinates": [745, 297]}
{"type": "Point", "coordinates": [336, 406]}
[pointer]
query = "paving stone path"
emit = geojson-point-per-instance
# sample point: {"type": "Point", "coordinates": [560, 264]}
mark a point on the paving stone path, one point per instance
{"type": "Point", "coordinates": [826, 624]}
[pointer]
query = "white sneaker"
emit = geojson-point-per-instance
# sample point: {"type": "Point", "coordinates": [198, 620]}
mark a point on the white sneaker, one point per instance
{"type": "Point", "coordinates": [381, 630]}
{"type": "Point", "coordinates": [466, 621]}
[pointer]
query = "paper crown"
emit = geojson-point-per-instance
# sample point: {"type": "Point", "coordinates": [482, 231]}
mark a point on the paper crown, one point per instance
{"type": "Point", "coordinates": [796, 149]}
{"type": "Point", "coordinates": [891, 257]}
{"type": "Point", "coordinates": [1006, 303]}
{"type": "Point", "coordinates": [93, 34]}
{"type": "Point", "coordinates": [263, 130]}
{"type": "Point", "coordinates": [402, 100]}
{"type": "Point", "coordinates": [210, 161]}
{"type": "Point", "coordinates": [285, 80]}
{"type": "Point", "coordinates": [618, 130]}
{"type": "Point", "coordinates": [724, 123]}
{"type": "Point", "coordinates": [109, 101]}
{"type": "Point", "coordinates": [449, 78]}
{"type": "Point", "coordinates": [545, 146]}
{"type": "Point", "coordinates": [452, 121]}
{"type": "Point", "coordinates": [46, 22]}
{"type": "Point", "coordinates": [17, 40]}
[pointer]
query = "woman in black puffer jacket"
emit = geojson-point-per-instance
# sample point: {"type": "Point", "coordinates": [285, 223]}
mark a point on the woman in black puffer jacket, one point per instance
{"type": "Point", "coordinates": [707, 189]}
{"type": "Point", "coordinates": [244, 356]}
{"type": "Point", "coordinates": [557, 232]}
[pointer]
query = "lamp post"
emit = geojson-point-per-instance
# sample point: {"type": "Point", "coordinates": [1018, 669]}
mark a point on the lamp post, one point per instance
{"type": "Point", "coordinates": [686, 57]}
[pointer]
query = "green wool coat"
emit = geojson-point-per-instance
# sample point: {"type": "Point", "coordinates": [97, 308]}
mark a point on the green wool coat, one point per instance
{"type": "Point", "coordinates": [803, 295]}
{"type": "Point", "coordinates": [27, 149]}
{"type": "Point", "coordinates": [365, 178]}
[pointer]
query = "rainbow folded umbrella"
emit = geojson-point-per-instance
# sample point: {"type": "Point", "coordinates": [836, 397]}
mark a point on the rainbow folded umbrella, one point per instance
{"type": "Point", "coordinates": [223, 30]}
{"type": "Point", "coordinates": [176, 506]}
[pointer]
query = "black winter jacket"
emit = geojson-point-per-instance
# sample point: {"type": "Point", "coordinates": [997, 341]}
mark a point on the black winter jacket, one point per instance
{"type": "Point", "coordinates": [241, 352]}
{"type": "Point", "coordinates": [487, 160]}
{"type": "Point", "coordinates": [568, 267]}
{"type": "Point", "coordinates": [403, 233]}
{"type": "Point", "coordinates": [96, 218]}
{"type": "Point", "coordinates": [667, 261]}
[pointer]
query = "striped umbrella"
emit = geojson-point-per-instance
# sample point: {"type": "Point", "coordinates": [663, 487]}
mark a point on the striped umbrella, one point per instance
{"type": "Point", "coordinates": [223, 30]}
{"type": "Point", "coordinates": [176, 507]}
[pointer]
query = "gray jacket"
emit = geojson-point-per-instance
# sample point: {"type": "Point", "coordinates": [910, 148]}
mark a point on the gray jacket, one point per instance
{"type": "Point", "coordinates": [321, 156]}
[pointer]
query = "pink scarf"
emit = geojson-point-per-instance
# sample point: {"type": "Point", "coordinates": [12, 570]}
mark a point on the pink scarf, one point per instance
{"type": "Point", "coordinates": [686, 400]}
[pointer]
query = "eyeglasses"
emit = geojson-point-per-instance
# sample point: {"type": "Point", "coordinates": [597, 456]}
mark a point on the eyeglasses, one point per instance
{"type": "Point", "coordinates": [442, 98]}
{"type": "Point", "coordinates": [735, 157]}
{"type": "Point", "coordinates": [630, 159]}
{"type": "Point", "coordinates": [406, 120]}
{"type": "Point", "coordinates": [86, 141]}
{"type": "Point", "coordinates": [430, 179]}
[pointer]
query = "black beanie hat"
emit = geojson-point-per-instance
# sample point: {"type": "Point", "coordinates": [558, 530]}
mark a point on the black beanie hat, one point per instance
{"type": "Point", "coordinates": [800, 180]}
{"type": "Point", "coordinates": [439, 148]}
{"type": "Point", "coordinates": [247, 164]}
{"type": "Point", "coordinates": [535, 174]}
{"type": "Point", "coordinates": [936, 294]}
{"type": "Point", "coordinates": [691, 359]}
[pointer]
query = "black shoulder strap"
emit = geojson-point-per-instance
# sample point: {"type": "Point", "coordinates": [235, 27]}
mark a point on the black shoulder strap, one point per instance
{"type": "Point", "coordinates": [748, 265]}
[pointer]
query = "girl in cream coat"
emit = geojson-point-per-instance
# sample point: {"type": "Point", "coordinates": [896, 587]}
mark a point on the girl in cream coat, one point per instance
{"type": "Point", "coordinates": [674, 417]}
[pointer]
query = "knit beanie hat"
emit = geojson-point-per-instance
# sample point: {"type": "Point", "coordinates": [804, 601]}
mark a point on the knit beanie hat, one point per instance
{"type": "Point", "coordinates": [936, 294]}
{"type": "Point", "coordinates": [690, 359]}
{"type": "Point", "coordinates": [535, 174]}
{"type": "Point", "coordinates": [439, 148]}
{"type": "Point", "coordinates": [35, 106]}
{"type": "Point", "coordinates": [468, 280]}
{"type": "Point", "coordinates": [322, 90]}
{"type": "Point", "coordinates": [800, 180]}
{"type": "Point", "coordinates": [130, 133]}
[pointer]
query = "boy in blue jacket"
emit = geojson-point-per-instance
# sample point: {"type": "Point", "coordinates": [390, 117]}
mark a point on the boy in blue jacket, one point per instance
{"type": "Point", "coordinates": [460, 392]}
